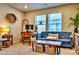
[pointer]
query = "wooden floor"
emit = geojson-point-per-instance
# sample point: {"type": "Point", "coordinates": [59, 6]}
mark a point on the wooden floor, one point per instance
{"type": "Point", "coordinates": [20, 49]}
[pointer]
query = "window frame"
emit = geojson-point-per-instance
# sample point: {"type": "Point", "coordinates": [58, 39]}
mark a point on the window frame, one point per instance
{"type": "Point", "coordinates": [56, 23]}
{"type": "Point", "coordinates": [47, 20]}
{"type": "Point", "coordinates": [41, 24]}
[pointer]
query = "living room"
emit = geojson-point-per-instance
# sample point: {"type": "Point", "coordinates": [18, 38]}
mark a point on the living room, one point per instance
{"type": "Point", "coordinates": [19, 19]}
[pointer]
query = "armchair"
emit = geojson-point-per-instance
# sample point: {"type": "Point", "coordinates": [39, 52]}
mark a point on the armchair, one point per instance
{"type": "Point", "coordinates": [77, 43]}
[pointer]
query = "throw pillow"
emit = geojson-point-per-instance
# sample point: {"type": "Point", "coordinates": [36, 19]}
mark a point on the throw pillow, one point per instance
{"type": "Point", "coordinates": [64, 36]}
{"type": "Point", "coordinates": [52, 36]}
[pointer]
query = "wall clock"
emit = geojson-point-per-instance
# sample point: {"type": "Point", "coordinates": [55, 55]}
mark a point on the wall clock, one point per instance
{"type": "Point", "coordinates": [11, 18]}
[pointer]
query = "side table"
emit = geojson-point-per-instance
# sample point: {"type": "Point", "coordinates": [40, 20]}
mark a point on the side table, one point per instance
{"type": "Point", "coordinates": [2, 40]}
{"type": "Point", "coordinates": [9, 38]}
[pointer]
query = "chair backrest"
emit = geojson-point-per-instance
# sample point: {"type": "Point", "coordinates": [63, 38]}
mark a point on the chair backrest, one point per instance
{"type": "Point", "coordinates": [62, 35]}
{"type": "Point", "coordinates": [25, 34]}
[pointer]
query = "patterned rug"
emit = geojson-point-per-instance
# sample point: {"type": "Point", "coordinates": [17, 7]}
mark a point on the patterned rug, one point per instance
{"type": "Point", "coordinates": [20, 49]}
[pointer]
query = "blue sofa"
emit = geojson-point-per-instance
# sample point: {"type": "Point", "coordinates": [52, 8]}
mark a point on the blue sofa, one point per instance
{"type": "Point", "coordinates": [65, 37]}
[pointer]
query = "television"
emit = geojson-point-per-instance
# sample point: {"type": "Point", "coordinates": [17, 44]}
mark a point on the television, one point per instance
{"type": "Point", "coordinates": [27, 26]}
{"type": "Point", "coordinates": [30, 27]}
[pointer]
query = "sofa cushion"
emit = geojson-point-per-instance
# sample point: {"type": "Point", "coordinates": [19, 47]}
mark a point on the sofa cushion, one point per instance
{"type": "Point", "coordinates": [52, 36]}
{"type": "Point", "coordinates": [66, 40]}
{"type": "Point", "coordinates": [66, 45]}
{"type": "Point", "coordinates": [64, 36]}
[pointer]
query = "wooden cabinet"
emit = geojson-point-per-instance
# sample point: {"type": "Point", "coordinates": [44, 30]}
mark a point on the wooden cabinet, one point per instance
{"type": "Point", "coordinates": [24, 23]}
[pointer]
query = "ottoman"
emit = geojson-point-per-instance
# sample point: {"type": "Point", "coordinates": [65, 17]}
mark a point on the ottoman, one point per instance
{"type": "Point", "coordinates": [50, 50]}
{"type": "Point", "coordinates": [39, 48]}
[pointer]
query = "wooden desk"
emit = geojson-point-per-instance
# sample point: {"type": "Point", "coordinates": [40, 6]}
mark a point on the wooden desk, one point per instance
{"type": "Point", "coordinates": [26, 35]}
{"type": "Point", "coordinates": [30, 35]}
{"type": "Point", "coordinates": [47, 42]}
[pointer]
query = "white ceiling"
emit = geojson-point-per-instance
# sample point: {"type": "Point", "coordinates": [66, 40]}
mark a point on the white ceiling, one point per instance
{"type": "Point", "coordinates": [33, 6]}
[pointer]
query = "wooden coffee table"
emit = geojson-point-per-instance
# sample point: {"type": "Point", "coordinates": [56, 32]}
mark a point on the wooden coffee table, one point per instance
{"type": "Point", "coordinates": [57, 44]}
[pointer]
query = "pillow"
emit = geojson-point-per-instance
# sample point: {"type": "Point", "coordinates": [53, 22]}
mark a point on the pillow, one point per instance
{"type": "Point", "coordinates": [64, 36]}
{"type": "Point", "coordinates": [52, 36]}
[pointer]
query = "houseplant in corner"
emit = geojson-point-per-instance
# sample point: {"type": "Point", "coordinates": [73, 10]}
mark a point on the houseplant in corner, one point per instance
{"type": "Point", "coordinates": [75, 21]}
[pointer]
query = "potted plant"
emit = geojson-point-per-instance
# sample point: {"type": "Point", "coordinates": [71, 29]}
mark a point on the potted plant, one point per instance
{"type": "Point", "coordinates": [75, 21]}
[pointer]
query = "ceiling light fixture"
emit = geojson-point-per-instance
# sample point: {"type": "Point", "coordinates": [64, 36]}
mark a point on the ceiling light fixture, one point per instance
{"type": "Point", "coordinates": [25, 6]}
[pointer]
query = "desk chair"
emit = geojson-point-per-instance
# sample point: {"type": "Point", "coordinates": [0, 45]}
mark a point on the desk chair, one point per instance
{"type": "Point", "coordinates": [26, 37]}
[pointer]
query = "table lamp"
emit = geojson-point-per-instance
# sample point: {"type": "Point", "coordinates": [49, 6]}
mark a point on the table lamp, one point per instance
{"type": "Point", "coordinates": [4, 30]}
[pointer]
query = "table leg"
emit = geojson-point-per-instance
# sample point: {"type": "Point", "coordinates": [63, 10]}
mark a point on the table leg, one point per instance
{"type": "Point", "coordinates": [58, 50]}
{"type": "Point", "coordinates": [43, 48]}
{"type": "Point", "coordinates": [32, 46]}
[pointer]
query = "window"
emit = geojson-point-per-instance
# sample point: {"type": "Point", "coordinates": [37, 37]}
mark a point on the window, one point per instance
{"type": "Point", "coordinates": [40, 22]}
{"type": "Point", "coordinates": [55, 22]}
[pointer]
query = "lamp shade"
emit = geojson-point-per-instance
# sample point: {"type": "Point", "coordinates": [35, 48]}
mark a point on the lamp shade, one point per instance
{"type": "Point", "coordinates": [4, 30]}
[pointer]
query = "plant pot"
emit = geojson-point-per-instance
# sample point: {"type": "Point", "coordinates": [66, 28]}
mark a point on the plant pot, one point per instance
{"type": "Point", "coordinates": [76, 30]}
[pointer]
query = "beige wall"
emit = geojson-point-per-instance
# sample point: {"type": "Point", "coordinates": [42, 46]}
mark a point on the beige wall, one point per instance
{"type": "Point", "coordinates": [15, 28]}
{"type": "Point", "coordinates": [67, 11]}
